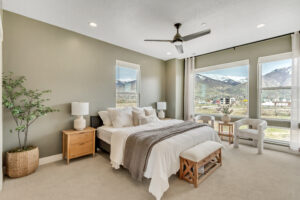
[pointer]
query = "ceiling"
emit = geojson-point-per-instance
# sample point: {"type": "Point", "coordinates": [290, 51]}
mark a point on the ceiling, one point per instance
{"type": "Point", "coordinates": [128, 23]}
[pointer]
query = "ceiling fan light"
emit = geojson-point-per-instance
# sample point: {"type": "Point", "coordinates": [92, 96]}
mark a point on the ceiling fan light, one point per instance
{"type": "Point", "coordinates": [177, 43]}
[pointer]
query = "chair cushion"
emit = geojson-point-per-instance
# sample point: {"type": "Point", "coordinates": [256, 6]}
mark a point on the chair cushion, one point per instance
{"type": "Point", "coordinates": [249, 133]}
{"type": "Point", "coordinates": [200, 151]}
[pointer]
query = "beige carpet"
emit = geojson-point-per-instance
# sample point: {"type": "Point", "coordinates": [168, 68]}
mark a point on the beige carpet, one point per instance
{"type": "Point", "coordinates": [244, 175]}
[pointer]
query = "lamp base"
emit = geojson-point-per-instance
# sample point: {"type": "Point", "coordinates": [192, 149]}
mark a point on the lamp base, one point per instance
{"type": "Point", "coordinates": [79, 123]}
{"type": "Point", "coordinates": [161, 114]}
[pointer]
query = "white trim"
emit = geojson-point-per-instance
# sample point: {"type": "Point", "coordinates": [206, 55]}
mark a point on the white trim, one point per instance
{"type": "Point", "coordinates": [266, 59]}
{"type": "Point", "coordinates": [137, 67]}
{"type": "Point", "coordinates": [50, 159]}
{"type": "Point", "coordinates": [121, 63]}
{"type": "Point", "coordinates": [275, 57]}
{"type": "Point", "coordinates": [223, 66]}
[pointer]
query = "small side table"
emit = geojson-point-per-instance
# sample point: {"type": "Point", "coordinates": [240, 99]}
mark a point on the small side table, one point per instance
{"type": "Point", "coordinates": [78, 143]}
{"type": "Point", "coordinates": [228, 134]}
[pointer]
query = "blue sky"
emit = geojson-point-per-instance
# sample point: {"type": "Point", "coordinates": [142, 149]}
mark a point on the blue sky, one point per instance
{"type": "Point", "coordinates": [241, 71]}
{"type": "Point", "coordinates": [123, 73]}
{"type": "Point", "coordinates": [270, 66]}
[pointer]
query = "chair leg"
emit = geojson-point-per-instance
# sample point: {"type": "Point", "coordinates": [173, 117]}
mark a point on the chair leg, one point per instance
{"type": "Point", "coordinates": [236, 141]}
{"type": "Point", "coordinates": [260, 146]}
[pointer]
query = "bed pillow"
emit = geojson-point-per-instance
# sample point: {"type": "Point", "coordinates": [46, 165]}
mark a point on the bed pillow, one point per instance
{"type": "Point", "coordinates": [105, 118]}
{"type": "Point", "coordinates": [139, 109]}
{"type": "Point", "coordinates": [148, 119]}
{"type": "Point", "coordinates": [149, 111]}
{"type": "Point", "coordinates": [137, 115]}
{"type": "Point", "coordinates": [120, 117]}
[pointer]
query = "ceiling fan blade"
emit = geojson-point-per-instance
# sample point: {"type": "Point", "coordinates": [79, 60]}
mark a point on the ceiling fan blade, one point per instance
{"type": "Point", "coordinates": [179, 48]}
{"type": "Point", "coordinates": [158, 40]}
{"type": "Point", "coordinates": [195, 35]}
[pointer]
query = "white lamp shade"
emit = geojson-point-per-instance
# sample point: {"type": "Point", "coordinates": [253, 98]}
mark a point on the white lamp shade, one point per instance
{"type": "Point", "coordinates": [80, 108]}
{"type": "Point", "coordinates": [161, 105]}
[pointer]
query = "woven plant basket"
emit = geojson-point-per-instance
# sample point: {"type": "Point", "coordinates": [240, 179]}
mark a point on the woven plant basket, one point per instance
{"type": "Point", "coordinates": [20, 164]}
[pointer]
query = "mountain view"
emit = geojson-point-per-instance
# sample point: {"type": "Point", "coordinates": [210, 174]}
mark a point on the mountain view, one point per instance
{"type": "Point", "coordinates": [210, 89]}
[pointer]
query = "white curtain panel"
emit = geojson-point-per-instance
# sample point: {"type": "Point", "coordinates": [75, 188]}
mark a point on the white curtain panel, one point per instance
{"type": "Point", "coordinates": [295, 111]}
{"type": "Point", "coordinates": [189, 88]}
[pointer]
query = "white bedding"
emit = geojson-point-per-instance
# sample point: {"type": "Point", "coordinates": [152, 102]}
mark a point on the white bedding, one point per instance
{"type": "Point", "coordinates": [164, 157]}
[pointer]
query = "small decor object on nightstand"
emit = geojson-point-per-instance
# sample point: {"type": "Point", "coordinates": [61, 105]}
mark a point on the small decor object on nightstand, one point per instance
{"type": "Point", "coordinates": [79, 109]}
{"type": "Point", "coordinates": [161, 106]}
{"type": "Point", "coordinates": [78, 143]}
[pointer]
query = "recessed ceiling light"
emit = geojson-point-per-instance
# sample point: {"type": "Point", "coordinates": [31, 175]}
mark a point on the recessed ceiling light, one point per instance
{"type": "Point", "coordinates": [203, 24]}
{"type": "Point", "coordinates": [169, 53]}
{"type": "Point", "coordinates": [93, 24]}
{"type": "Point", "coordinates": [260, 25]}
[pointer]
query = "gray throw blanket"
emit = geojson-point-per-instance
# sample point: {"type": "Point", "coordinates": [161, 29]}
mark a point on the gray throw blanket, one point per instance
{"type": "Point", "coordinates": [139, 145]}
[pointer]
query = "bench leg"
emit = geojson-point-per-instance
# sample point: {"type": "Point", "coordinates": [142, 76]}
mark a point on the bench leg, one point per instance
{"type": "Point", "coordinates": [220, 157]}
{"type": "Point", "coordinates": [196, 175]}
{"type": "Point", "coordinates": [181, 168]}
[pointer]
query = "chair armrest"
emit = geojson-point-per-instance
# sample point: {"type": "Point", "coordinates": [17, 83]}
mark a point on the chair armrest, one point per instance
{"type": "Point", "coordinates": [262, 125]}
{"type": "Point", "coordinates": [196, 118]}
{"type": "Point", "coordinates": [240, 123]}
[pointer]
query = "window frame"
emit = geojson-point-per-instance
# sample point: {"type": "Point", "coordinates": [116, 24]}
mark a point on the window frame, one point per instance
{"type": "Point", "coordinates": [224, 66]}
{"type": "Point", "coordinates": [266, 59]}
{"type": "Point", "coordinates": [124, 64]}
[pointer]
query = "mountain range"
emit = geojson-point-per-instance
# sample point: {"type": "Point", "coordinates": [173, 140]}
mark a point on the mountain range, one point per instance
{"type": "Point", "coordinates": [212, 86]}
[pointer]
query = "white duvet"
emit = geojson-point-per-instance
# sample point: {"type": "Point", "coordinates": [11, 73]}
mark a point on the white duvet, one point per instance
{"type": "Point", "coordinates": [164, 157]}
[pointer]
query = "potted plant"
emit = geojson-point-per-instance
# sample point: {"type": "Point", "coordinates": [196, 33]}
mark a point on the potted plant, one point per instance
{"type": "Point", "coordinates": [226, 110]}
{"type": "Point", "coordinates": [25, 106]}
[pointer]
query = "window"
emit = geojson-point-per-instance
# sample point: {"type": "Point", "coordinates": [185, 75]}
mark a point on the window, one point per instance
{"type": "Point", "coordinates": [127, 84]}
{"type": "Point", "coordinates": [275, 87]}
{"type": "Point", "coordinates": [226, 83]}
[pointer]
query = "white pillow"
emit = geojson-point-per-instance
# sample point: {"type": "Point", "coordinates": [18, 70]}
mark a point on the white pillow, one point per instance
{"type": "Point", "coordinates": [137, 109]}
{"type": "Point", "coordinates": [136, 116]}
{"type": "Point", "coordinates": [120, 117]}
{"type": "Point", "coordinates": [148, 111]}
{"type": "Point", "coordinates": [105, 118]}
{"type": "Point", "coordinates": [148, 119]}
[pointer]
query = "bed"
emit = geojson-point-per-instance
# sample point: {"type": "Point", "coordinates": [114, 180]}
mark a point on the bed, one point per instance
{"type": "Point", "coordinates": [164, 157]}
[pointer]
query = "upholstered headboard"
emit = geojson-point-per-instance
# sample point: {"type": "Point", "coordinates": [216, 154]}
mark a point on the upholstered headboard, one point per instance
{"type": "Point", "coordinates": [96, 121]}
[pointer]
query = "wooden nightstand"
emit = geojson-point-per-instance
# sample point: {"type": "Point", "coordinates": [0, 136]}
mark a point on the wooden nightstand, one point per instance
{"type": "Point", "coordinates": [78, 143]}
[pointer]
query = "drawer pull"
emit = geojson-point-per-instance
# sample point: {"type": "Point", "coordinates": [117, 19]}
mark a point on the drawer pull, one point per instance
{"type": "Point", "coordinates": [82, 143]}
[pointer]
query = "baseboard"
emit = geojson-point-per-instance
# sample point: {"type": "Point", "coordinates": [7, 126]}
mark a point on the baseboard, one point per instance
{"type": "Point", "coordinates": [50, 159]}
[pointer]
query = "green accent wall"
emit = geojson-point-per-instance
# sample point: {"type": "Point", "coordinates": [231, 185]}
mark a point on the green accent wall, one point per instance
{"type": "Point", "coordinates": [174, 88]}
{"type": "Point", "coordinates": [76, 68]}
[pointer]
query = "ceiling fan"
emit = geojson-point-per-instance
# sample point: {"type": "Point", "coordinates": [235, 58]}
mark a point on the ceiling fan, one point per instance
{"type": "Point", "coordinates": [178, 39]}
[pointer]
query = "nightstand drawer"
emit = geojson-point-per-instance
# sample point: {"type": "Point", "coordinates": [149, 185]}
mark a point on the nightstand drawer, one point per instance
{"type": "Point", "coordinates": [80, 149]}
{"type": "Point", "coordinates": [81, 138]}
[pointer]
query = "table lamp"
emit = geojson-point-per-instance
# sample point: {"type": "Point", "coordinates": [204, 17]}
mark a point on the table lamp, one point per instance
{"type": "Point", "coordinates": [79, 109]}
{"type": "Point", "coordinates": [161, 106]}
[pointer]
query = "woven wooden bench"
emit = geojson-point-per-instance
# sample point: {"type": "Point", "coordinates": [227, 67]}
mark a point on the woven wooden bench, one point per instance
{"type": "Point", "coordinates": [207, 156]}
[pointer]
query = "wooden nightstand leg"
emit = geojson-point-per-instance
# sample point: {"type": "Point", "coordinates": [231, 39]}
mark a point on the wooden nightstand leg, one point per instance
{"type": "Point", "coordinates": [68, 149]}
{"type": "Point", "coordinates": [63, 146]}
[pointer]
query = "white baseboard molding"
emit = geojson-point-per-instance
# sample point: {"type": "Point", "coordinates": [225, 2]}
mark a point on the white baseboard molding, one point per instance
{"type": "Point", "coordinates": [50, 159]}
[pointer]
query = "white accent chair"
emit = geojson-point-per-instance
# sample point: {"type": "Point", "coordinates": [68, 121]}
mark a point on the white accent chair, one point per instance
{"type": "Point", "coordinates": [255, 131]}
{"type": "Point", "coordinates": [205, 119]}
